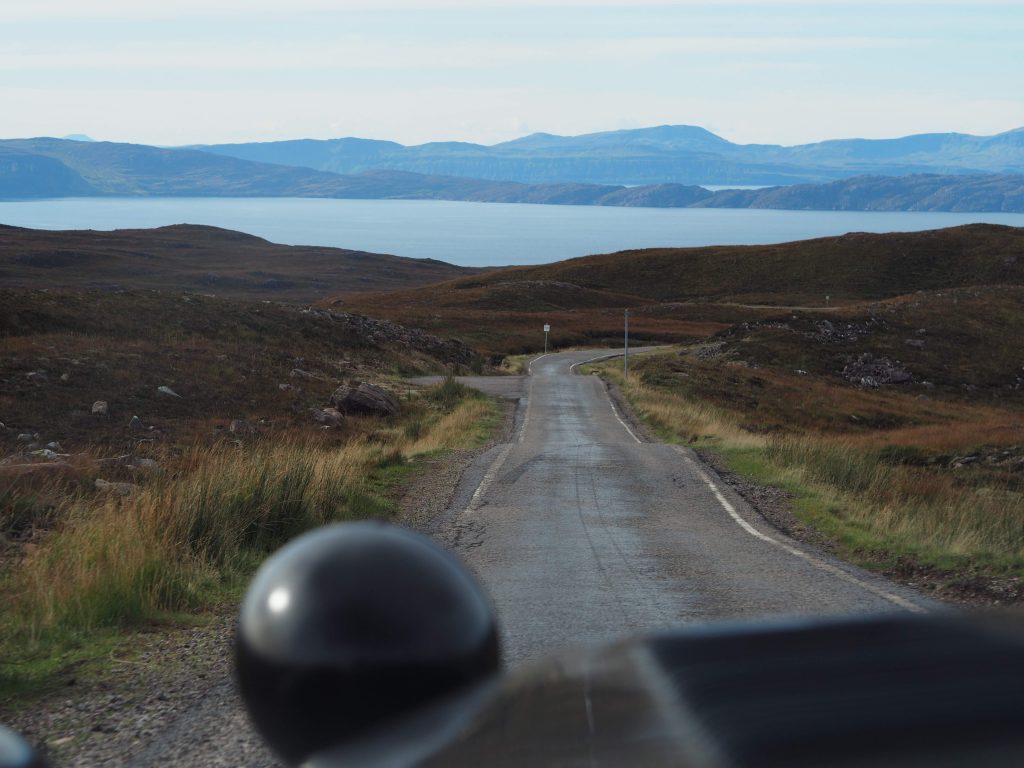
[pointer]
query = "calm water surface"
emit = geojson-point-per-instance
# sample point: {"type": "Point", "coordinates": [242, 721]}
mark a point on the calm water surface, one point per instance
{"type": "Point", "coordinates": [473, 234]}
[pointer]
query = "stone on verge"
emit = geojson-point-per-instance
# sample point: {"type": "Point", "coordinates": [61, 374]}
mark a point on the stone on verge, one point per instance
{"type": "Point", "coordinates": [328, 417]}
{"type": "Point", "coordinates": [364, 399]}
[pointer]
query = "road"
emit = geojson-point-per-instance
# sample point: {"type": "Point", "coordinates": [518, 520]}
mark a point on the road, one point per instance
{"type": "Point", "coordinates": [583, 532]}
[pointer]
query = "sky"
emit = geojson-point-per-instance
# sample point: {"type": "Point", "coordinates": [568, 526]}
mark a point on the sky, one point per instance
{"type": "Point", "coordinates": [177, 72]}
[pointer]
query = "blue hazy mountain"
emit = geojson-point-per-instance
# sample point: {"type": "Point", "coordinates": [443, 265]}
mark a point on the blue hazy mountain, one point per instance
{"type": "Point", "coordinates": [680, 154]}
{"type": "Point", "coordinates": [43, 168]}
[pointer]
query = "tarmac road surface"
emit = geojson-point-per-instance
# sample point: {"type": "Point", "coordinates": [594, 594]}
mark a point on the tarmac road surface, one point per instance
{"type": "Point", "coordinates": [583, 533]}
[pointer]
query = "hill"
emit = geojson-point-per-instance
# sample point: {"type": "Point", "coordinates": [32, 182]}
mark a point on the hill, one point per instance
{"type": "Point", "coordinates": [681, 154]}
{"type": "Point", "coordinates": [689, 292]}
{"type": "Point", "coordinates": [203, 260]}
{"type": "Point", "coordinates": [226, 358]}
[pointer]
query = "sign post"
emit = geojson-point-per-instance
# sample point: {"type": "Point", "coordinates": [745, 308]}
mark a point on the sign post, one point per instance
{"type": "Point", "coordinates": [547, 328]}
{"type": "Point", "coordinates": [625, 356]}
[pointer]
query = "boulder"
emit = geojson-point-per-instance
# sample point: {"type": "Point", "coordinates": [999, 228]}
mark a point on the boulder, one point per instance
{"type": "Point", "coordinates": [327, 417]}
{"type": "Point", "coordinates": [100, 408]}
{"type": "Point", "coordinates": [364, 400]}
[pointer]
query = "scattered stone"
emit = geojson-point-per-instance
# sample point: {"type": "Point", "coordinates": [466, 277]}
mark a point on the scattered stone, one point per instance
{"type": "Point", "coordinates": [143, 464]}
{"type": "Point", "coordinates": [364, 399]}
{"type": "Point", "coordinates": [121, 489]}
{"type": "Point", "coordinates": [65, 377]}
{"type": "Point", "coordinates": [2, 426]}
{"type": "Point", "coordinates": [48, 454]}
{"type": "Point", "coordinates": [24, 437]}
{"type": "Point", "coordinates": [54, 446]}
{"type": "Point", "coordinates": [167, 392]}
{"type": "Point", "coordinates": [285, 387]}
{"type": "Point", "coordinates": [915, 343]}
{"type": "Point", "coordinates": [100, 408]}
{"type": "Point", "coordinates": [37, 377]}
{"type": "Point", "coordinates": [135, 425]}
{"type": "Point", "coordinates": [241, 428]}
{"type": "Point", "coordinates": [327, 417]}
{"type": "Point", "coordinates": [870, 371]}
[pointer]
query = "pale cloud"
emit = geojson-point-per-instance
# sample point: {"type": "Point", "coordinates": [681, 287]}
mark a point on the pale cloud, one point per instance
{"type": "Point", "coordinates": [197, 71]}
{"type": "Point", "coordinates": [159, 9]}
{"type": "Point", "coordinates": [486, 115]}
{"type": "Point", "coordinates": [357, 54]}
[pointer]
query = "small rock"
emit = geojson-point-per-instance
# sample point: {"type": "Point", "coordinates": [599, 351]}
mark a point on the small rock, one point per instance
{"type": "Point", "coordinates": [915, 343]}
{"type": "Point", "coordinates": [24, 437]}
{"type": "Point", "coordinates": [135, 425]}
{"type": "Point", "coordinates": [54, 446]}
{"type": "Point", "coordinates": [46, 453]}
{"type": "Point", "coordinates": [364, 399]}
{"type": "Point", "coordinates": [328, 417]}
{"type": "Point", "coordinates": [167, 392]}
{"type": "Point", "coordinates": [2, 426]}
{"type": "Point", "coordinates": [285, 387]}
{"type": "Point", "coordinates": [121, 489]}
{"type": "Point", "coordinates": [37, 377]}
{"type": "Point", "coordinates": [147, 465]}
{"type": "Point", "coordinates": [100, 408]}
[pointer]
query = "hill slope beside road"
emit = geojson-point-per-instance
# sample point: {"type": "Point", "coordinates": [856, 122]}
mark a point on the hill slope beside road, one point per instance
{"type": "Point", "coordinates": [203, 260]}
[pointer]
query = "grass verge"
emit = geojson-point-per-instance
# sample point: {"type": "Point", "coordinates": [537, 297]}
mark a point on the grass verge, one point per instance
{"type": "Point", "coordinates": [936, 491]}
{"type": "Point", "coordinates": [189, 539]}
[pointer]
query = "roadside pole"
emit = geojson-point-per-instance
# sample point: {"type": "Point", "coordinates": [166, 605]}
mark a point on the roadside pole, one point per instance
{"type": "Point", "coordinates": [625, 356]}
{"type": "Point", "coordinates": [547, 328]}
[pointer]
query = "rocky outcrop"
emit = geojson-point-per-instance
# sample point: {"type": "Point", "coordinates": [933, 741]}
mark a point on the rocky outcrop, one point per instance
{"type": "Point", "coordinates": [382, 333]}
{"type": "Point", "coordinates": [364, 400]}
{"type": "Point", "coordinates": [870, 371]}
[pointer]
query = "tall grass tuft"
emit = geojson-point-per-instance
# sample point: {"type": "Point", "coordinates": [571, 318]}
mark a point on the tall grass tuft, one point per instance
{"type": "Point", "coordinates": [181, 540]}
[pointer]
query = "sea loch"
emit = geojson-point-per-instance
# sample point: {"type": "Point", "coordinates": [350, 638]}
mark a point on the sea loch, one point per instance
{"type": "Point", "coordinates": [474, 234]}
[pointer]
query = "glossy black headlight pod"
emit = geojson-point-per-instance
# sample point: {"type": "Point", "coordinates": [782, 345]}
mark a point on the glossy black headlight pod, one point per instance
{"type": "Point", "coordinates": [352, 626]}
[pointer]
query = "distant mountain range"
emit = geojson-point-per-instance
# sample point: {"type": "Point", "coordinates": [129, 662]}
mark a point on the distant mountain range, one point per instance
{"type": "Point", "coordinates": [680, 154]}
{"type": "Point", "coordinates": [45, 167]}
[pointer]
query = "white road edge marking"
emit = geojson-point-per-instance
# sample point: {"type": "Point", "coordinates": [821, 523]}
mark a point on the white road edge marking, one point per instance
{"type": "Point", "coordinates": [615, 411]}
{"type": "Point", "coordinates": [489, 477]}
{"type": "Point", "coordinates": [815, 561]}
{"type": "Point", "coordinates": [492, 471]}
